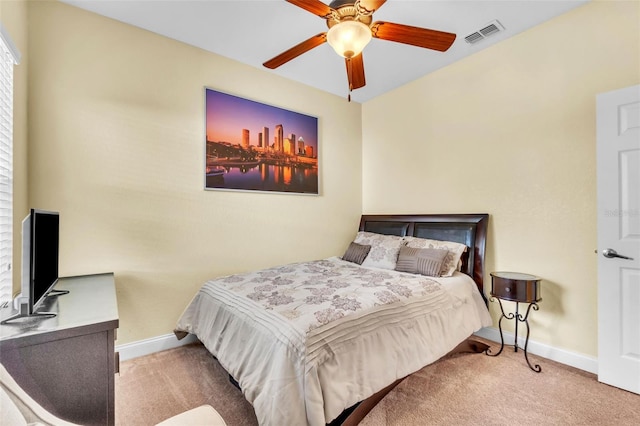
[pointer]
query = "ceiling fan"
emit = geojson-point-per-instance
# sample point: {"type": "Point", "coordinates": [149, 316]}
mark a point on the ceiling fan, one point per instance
{"type": "Point", "coordinates": [351, 27]}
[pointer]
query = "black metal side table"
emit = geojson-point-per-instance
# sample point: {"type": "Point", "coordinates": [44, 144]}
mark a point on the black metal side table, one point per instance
{"type": "Point", "coordinates": [519, 288]}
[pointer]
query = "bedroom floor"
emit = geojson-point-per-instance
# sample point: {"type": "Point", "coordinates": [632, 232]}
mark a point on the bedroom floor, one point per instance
{"type": "Point", "coordinates": [467, 389]}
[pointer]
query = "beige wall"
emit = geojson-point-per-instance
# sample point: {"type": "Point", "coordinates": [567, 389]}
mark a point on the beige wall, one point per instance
{"type": "Point", "coordinates": [510, 131]}
{"type": "Point", "coordinates": [117, 146]}
{"type": "Point", "coordinates": [13, 15]}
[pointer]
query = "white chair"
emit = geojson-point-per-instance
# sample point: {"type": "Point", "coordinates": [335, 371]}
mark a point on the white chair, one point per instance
{"type": "Point", "coordinates": [19, 409]}
{"type": "Point", "coordinates": [203, 415]}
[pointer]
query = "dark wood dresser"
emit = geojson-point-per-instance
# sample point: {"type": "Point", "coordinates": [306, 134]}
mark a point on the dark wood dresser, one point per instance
{"type": "Point", "coordinates": [68, 363]}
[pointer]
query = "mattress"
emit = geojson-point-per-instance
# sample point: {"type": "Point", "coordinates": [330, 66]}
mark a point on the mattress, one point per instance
{"type": "Point", "coordinates": [308, 340]}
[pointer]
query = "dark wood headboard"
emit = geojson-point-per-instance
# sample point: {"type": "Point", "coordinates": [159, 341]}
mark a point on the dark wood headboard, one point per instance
{"type": "Point", "coordinates": [468, 229]}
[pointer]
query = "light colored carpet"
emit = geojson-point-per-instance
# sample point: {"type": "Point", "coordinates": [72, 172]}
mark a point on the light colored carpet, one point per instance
{"type": "Point", "coordinates": [153, 388]}
{"type": "Point", "coordinates": [470, 389]}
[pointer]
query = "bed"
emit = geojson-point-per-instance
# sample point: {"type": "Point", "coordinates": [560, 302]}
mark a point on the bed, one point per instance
{"type": "Point", "coordinates": [321, 342]}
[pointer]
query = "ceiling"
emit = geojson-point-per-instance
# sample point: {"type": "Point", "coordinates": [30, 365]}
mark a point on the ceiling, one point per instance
{"type": "Point", "coordinates": [254, 31]}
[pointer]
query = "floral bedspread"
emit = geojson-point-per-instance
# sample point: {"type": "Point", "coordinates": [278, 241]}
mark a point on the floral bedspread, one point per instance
{"type": "Point", "coordinates": [305, 341]}
{"type": "Point", "coordinates": [315, 293]}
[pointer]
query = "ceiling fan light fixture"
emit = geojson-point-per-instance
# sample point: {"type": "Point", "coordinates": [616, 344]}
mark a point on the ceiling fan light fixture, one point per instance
{"type": "Point", "coordinates": [349, 38]}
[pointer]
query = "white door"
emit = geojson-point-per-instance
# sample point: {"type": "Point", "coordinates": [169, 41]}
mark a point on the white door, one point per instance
{"type": "Point", "coordinates": [618, 170]}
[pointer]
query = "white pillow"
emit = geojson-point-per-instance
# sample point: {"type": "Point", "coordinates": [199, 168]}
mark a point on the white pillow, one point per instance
{"type": "Point", "coordinates": [384, 249]}
{"type": "Point", "coordinates": [455, 250]}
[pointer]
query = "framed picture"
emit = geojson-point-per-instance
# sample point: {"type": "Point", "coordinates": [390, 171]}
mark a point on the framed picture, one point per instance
{"type": "Point", "coordinates": [251, 146]}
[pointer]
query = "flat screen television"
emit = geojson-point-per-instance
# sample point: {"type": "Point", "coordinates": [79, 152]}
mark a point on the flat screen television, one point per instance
{"type": "Point", "coordinates": [40, 253]}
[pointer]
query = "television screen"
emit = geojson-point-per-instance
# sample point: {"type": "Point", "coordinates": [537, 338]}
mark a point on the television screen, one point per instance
{"type": "Point", "coordinates": [40, 249]}
{"type": "Point", "coordinates": [45, 235]}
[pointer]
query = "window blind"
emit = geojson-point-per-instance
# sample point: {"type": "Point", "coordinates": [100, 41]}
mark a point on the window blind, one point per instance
{"type": "Point", "coordinates": [8, 57]}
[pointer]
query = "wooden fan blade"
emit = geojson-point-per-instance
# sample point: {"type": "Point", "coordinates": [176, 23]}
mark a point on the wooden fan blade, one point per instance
{"type": "Point", "coordinates": [296, 51]}
{"type": "Point", "coordinates": [355, 72]}
{"type": "Point", "coordinates": [314, 6]}
{"type": "Point", "coordinates": [372, 5]}
{"type": "Point", "coordinates": [421, 37]}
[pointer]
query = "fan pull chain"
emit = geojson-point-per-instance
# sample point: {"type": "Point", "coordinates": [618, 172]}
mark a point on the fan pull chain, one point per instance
{"type": "Point", "coordinates": [349, 76]}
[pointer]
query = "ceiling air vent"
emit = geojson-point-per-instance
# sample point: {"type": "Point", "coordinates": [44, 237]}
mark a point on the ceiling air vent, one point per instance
{"type": "Point", "coordinates": [490, 29]}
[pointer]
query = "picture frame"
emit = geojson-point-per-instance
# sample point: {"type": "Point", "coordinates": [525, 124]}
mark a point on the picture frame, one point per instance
{"type": "Point", "coordinates": [252, 146]}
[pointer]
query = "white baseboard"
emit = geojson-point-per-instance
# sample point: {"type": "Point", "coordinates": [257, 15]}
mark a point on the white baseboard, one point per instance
{"type": "Point", "coordinates": [152, 345]}
{"type": "Point", "coordinates": [583, 362]}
